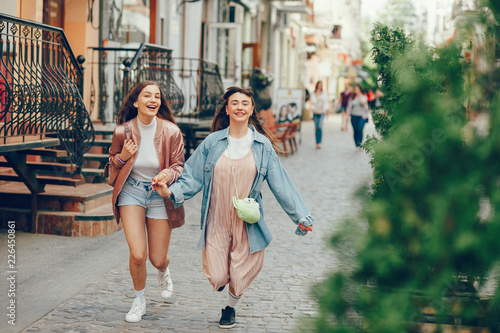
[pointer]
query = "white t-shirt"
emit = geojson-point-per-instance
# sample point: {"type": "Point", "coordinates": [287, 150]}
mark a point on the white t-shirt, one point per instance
{"type": "Point", "coordinates": [238, 148]}
{"type": "Point", "coordinates": [319, 104]}
{"type": "Point", "coordinates": [146, 164]}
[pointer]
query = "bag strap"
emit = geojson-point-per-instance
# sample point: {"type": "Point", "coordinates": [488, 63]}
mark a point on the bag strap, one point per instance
{"type": "Point", "coordinates": [127, 131]}
{"type": "Point", "coordinates": [127, 136]}
{"type": "Point", "coordinates": [232, 170]}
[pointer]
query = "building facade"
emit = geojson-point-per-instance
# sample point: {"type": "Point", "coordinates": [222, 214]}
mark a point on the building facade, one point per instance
{"type": "Point", "coordinates": [333, 39]}
{"type": "Point", "coordinates": [238, 35]}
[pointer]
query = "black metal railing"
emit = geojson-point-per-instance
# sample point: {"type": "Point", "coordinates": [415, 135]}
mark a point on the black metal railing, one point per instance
{"type": "Point", "coordinates": [41, 87]}
{"type": "Point", "coordinates": [201, 82]}
{"type": "Point", "coordinates": [192, 86]}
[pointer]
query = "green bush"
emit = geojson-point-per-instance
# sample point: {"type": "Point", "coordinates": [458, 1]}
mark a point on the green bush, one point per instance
{"type": "Point", "coordinates": [432, 215]}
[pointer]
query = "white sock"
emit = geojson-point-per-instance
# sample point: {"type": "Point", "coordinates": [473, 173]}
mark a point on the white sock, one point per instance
{"type": "Point", "coordinates": [232, 300]}
{"type": "Point", "coordinates": [162, 274]}
{"type": "Point", "coordinates": [140, 294]}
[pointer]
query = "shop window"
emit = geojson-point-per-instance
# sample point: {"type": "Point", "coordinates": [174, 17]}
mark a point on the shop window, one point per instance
{"type": "Point", "coordinates": [53, 12]}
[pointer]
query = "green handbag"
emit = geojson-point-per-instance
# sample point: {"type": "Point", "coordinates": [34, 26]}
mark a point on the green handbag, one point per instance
{"type": "Point", "coordinates": [248, 209]}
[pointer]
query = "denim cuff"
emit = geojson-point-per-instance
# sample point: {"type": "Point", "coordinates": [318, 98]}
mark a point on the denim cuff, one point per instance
{"type": "Point", "coordinates": [177, 196]}
{"type": "Point", "coordinates": [306, 222]}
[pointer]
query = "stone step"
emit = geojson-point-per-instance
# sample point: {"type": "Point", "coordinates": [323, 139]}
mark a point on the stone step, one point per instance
{"type": "Point", "coordinates": [92, 172]}
{"type": "Point", "coordinates": [46, 166]}
{"type": "Point", "coordinates": [56, 153]}
{"type": "Point", "coordinates": [96, 157]}
{"type": "Point", "coordinates": [54, 180]}
{"type": "Point", "coordinates": [102, 142]}
{"type": "Point", "coordinates": [82, 198]}
{"type": "Point", "coordinates": [97, 222]}
{"type": "Point", "coordinates": [104, 129]}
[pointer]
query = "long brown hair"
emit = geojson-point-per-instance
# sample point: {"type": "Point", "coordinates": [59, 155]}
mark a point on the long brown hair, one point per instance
{"type": "Point", "coordinates": [317, 86]}
{"type": "Point", "coordinates": [129, 111]}
{"type": "Point", "coordinates": [221, 119]}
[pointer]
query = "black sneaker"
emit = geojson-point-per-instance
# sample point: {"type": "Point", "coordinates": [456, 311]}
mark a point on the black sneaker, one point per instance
{"type": "Point", "coordinates": [227, 318]}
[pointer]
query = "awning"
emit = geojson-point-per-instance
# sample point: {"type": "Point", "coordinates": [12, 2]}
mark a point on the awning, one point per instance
{"type": "Point", "coordinates": [287, 7]}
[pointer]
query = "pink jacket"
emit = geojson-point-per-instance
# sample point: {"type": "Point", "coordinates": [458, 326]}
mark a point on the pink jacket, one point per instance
{"type": "Point", "coordinates": [169, 145]}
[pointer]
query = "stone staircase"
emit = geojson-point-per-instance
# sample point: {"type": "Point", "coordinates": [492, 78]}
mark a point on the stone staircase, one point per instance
{"type": "Point", "coordinates": [71, 204]}
{"type": "Point", "coordinates": [84, 210]}
{"type": "Point", "coordinates": [98, 156]}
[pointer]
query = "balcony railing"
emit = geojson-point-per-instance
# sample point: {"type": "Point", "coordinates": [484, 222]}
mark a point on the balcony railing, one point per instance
{"type": "Point", "coordinates": [41, 87]}
{"type": "Point", "coordinates": [193, 87]}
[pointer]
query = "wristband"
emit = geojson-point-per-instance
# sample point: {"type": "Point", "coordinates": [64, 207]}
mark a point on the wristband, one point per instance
{"type": "Point", "coordinates": [119, 159]}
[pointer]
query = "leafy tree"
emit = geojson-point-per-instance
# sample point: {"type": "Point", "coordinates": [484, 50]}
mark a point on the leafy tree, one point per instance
{"type": "Point", "coordinates": [434, 219]}
{"type": "Point", "coordinates": [388, 43]}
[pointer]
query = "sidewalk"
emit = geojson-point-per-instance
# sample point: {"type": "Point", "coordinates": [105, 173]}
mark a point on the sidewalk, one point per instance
{"type": "Point", "coordinates": [83, 285]}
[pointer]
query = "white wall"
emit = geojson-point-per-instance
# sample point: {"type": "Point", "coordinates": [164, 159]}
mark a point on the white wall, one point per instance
{"type": "Point", "coordinates": [192, 38]}
{"type": "Point", "coordinates": [439, 21]}
{"type": "Point", "coordinates": [8, 7]}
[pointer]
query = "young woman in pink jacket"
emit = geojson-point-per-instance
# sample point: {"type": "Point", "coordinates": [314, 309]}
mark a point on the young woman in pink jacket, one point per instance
{"type": "Point", "coordinates": [147, 148]}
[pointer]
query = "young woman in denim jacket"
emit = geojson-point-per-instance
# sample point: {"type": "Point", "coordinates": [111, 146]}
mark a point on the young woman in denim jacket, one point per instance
{"type": "Point", "coordinates": [233, 250]}
{"type": "Point", "coordinates": [153, 152]}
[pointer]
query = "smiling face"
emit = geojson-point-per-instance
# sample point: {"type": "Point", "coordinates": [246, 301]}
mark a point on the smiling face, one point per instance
{"type": "Point", "coordinates": [148, 103]}
{"type": "Point", "coordinates": [239, 108]}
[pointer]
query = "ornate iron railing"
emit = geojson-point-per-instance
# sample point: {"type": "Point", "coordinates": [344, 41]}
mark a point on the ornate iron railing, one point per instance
{"type": "Point", "coordinates": [192, 86]}
{"type": "Point", "coordinates": [41, 87]}
{"type": "Point", "coordinates": [201, 82]}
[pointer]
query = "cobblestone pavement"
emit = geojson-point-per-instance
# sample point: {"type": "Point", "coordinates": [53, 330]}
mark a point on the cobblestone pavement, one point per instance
{"type": "Point", "coordinates": [279, 299]}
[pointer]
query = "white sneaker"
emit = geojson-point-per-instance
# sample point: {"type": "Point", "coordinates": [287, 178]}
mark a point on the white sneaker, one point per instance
{"type": "Point", "coordinates": [165, 286]}
{"type": "Point", "coordinates": [136, 311]}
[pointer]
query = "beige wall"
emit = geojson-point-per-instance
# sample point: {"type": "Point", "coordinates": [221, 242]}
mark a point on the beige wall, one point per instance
{"type": "Point", "coordinates": [9, 7]}
{"type": "Point", "coordinates": [30, 10]}
{"type": "Point", "coordinates": [81, 35]}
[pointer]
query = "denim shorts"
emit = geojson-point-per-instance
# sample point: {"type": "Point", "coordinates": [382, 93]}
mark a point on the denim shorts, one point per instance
{"type": "Point", "coordinates": [141, 194]}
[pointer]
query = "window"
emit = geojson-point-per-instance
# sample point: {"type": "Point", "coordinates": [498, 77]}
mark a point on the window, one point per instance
{"type": "Point", "coordinates": [53, 12]}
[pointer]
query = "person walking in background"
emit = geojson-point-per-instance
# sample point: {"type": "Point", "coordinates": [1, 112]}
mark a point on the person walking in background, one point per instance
{"type": "Point", "coordinates": [235, 160]}
{"type": "Point", "coordinates": [319, 107]}
{"type": "Point", "coordinates": [357, 108]}
{"type": "Point", "coordinates": [345, 97]}
{"type": "Point", "coordinates": [377, 103]}
{"type": "Point", "coordinates": [371, 98]}
{"type": "Point", "coordinates": [147, 148]}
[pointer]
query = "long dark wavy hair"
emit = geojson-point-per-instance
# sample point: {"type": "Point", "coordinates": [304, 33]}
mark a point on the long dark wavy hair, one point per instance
{"type": "Point", "coordinates": [129, 111]}
{"type": "Point", "coordinates": [221, 119]}
{"type": "Point", "coordinates": [317, 86]}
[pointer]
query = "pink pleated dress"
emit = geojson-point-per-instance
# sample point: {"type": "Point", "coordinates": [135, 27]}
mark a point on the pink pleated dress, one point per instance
{"type": "Point", "coordinates": [226, 256]}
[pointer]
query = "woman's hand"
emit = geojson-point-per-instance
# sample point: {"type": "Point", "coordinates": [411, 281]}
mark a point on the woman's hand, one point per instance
{"type": "Point", "coordinates": [162, 189]}
{"type": "Point", "coordinates": [161, 178]}
{"type": "Point", "coordinates": [129, 149]}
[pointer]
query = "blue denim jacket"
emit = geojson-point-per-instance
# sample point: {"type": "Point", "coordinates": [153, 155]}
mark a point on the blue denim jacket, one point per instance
{"type": "Point", "coordinates": [198, 175]}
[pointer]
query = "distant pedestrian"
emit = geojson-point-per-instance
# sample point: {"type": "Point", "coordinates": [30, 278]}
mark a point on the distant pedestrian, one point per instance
{"type": "Point", "coordinates": [319, 107]}
{"type": "Point", "coordinates": [358, 110]}
{"type": "Point", "coordinates": [371, 98]}
{"type": "Point", "coordinates": [377, 103]}
{"type": "Point", "coordinates": [233, 161]}
{"type": "Point", "coordinates": [345, 97]}
{"type": "Point", "coordinates": [147, 148]}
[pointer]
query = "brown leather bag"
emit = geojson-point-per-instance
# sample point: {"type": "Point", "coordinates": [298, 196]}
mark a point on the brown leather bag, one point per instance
{"type": "Point", "coordinates": [109, 171]}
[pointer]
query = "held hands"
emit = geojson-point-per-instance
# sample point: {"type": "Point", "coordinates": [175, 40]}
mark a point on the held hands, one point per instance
{"type": "Point", "coordinates": [161, 178]}
{"type": "Point", "coordinates": [162, 189]}
{"type": "Point", "coordinates": [129, 149]}
{"type": "Point", "coordinates": [159, 184]}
